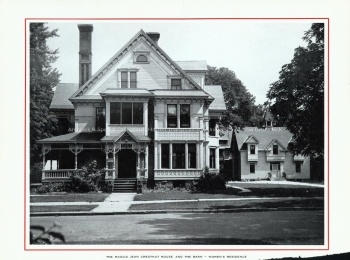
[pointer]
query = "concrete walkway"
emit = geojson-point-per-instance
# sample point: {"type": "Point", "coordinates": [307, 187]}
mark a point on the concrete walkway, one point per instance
{"type": "Point", "coordinates": [232, 183]}
{"type": "Point", "coordinates": [116, 202]}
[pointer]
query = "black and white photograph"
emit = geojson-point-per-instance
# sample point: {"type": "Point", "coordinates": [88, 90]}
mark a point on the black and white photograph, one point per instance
{"type": "Point", "coordinates": [174, 129]}
{"type": "Point", "coordinates": [177, 132]}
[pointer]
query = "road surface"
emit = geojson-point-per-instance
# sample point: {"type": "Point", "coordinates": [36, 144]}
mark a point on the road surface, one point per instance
{"type": "Point", "coordinates": [241, 228]}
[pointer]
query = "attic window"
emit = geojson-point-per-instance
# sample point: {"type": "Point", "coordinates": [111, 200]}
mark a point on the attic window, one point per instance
{"type": "Point", "coordinates": [141, 58]}
{"type": "Point", "coordinates": [176, 84]}
{"type": "Point", "coordinates": [275, 149]}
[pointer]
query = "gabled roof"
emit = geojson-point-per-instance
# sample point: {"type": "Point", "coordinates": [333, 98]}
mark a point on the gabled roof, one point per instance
{"type": "Point", "coordinates": [77, 137]}
{"type": "Point", "coordinates": [275, 141]}
{"type": "Point", "coordinates": [264, 136]}
{"type": "Point", "coordinates": [62, 93]}
{"type": "Point", "coordinates": [121, 53]}
{"type": "Point", "coordinates": [251, 139]}
{"type": "Point", "coordinates": [193, 65]}
{"type": "Point", "coordinates": [216, 92]}
{"type": "Point", "coordinates": [136, 135]}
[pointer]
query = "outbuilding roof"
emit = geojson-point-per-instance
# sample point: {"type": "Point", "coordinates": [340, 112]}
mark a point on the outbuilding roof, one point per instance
{"type": "Point", "coordinates": [264, 136]}
{"type": "Point", "coordinates": [62, 93]}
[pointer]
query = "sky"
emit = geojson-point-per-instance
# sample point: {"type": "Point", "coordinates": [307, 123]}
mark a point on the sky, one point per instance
{"type": "Point", "coordinates": [254, 50]}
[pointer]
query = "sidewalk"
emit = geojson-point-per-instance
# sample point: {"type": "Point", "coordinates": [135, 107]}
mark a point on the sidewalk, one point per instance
{"type": "Point", "coordinates": [119, 203]}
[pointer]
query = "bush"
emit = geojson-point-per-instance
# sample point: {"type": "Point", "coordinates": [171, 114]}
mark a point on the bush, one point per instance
{"type": "Point", "coordinates": [211, 181]}
{"type": "Point", "coordinates": [36, 173]}
{"type": "Point", "coordinates": [88, 179]}
{"type": "Point", "coordinates": [51, 187]}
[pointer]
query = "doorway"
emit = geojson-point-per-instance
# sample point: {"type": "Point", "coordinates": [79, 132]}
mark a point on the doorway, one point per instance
{"type": "Point", "coordinates": [127, 160]}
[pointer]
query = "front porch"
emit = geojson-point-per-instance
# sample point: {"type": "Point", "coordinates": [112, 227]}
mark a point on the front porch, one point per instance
{"type": "Point", "coordinates": [120, 157]}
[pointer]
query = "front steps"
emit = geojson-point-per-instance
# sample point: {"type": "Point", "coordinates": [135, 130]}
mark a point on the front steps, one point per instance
{"type": "Point", "coordinates": [124, 185]}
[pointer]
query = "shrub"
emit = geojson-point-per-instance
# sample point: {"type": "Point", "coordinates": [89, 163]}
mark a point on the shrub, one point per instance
{"type": "Point", "coordinates": [88, 179]}
{"type": "Point", "coordinates": [36, 173]}
{"type": "Point", "coordinates": [211, 181]}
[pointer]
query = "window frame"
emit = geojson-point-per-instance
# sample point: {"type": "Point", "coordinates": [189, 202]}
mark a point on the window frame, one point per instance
{"type": "Point", "coordinates": [165, 156]}
{"type": "Point", "coordinates": [178, 157]}
{"type": "Point", "coordinates": [252, 168]}
{"type": "Point", "coordinates": [97, 123]}
{"type": "Point", "coordinates": [119, 116]}
{"type": "Point", "coordinates": [173, 86]}
{"type": "Point", "coordinates": [252, 148]}
{"type": "Point", "coordinates": [275, 146]}
{"type": "Point", "coordinates": [171, 117]}
{"type": "Point", "coordinates": [186, 116]}
{"type": "Point", "coordinates": [212, 158]}
{"type": "Point", "coordinates": [191, 153]}
{"type": "Point", "coordinates": [298, 166]}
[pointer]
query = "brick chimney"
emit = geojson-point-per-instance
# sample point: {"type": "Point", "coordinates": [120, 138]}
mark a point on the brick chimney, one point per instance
{"type": "Point", "coordinates": [85, 55]}
{"type": "Point", "coordinates": [154, 36]}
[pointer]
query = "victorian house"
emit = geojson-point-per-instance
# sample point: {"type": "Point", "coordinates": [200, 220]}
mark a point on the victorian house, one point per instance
{"type": "Point", "coordinates": [142, 116]}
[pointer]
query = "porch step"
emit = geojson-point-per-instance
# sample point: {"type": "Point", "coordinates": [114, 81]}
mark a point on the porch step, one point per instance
{"type": "Point", "coordinates": [278, 179]}
{"type": "Point", "coordinates": [124, 185]}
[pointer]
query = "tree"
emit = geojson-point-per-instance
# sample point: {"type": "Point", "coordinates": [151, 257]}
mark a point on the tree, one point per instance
{"type": "Point", "coordinates": [298, 96]}
{"type": "Point", "coordinates": [241, 110]}
{"type": "Point", "coordinates": [42, 79]}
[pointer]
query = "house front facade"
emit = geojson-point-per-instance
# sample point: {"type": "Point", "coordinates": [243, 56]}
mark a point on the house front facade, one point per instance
{"type": "Point", "coordinates": [264, 153]}
{"type": "Point", "coordinates": [141, 116]}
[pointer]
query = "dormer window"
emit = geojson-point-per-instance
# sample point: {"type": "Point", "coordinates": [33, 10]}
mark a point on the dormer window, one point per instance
{"type": "Point", "coordinates": [176, 84]}
{"type": "Point", "coordinates": [141, 58]}
{"type": "Point", "coordinates": [252, 149]}
{"type": "Point", "coordinates": [275, 149]}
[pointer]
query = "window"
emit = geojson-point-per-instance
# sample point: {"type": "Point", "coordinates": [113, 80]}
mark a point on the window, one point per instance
{"type": "Point", "coordinates": [176, 84]}
{"type": "Point", "coordinates": [124, 79]}
{"type": "Point", "coordinates": [126, 113]}
{"type": "Point", "coordinates": [298, 167]}
{"type": "Point", "coordinates": [212, 127]}
{"type": "Point", "coordinates": [192, 156]}
{"type": "Point", "coordinates": [133, 79]}
{"type": "Point", "coordinates": [212, 158]}
{"type": "Point", "coordinates": [178, 156]}
{"type": "Point", "coordinates": [184, 116]}
{"type": "Point", "coordinates": [100, 118]}
{"type": "Point", "coordinates": [252, 168]}
{"type": "Point", "coordinates": [165, 160]}
{"type": "Point", "coordinates": [128, 79]}
{"type": "Point", "coordinates": [184, 119]}
{"type": "Point", "coordinates": [268, 123]}
{"type": "Point", "coordinates": [275, 149]}
{"type": "Point", "coordinates": [141, 58]}
{"type": "Point", "coordinates": [172, 116]}
{"type": "Point", "coordinates": [252, 149]}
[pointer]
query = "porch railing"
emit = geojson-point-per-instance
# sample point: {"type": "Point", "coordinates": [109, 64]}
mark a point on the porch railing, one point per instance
{"type": "Point", "coordinates": [177, 174]}
{"type": "Point", "coordinates": [58, 174]}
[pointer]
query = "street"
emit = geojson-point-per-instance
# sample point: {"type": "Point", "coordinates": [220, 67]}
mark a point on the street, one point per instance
{"type": "Point", "coordinates": [239, 228]}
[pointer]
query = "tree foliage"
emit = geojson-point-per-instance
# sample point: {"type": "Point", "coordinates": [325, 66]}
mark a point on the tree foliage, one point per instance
{"type": "Point", "coordinates": [298, 96]}
{"type": "Point", "coordinates": [42, 79]}
{"type": "Point", "coordinates": [241, 110]}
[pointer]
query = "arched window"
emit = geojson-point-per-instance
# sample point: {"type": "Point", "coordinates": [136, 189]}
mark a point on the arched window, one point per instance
{"type": "Point", "coordinates": [141, 58]}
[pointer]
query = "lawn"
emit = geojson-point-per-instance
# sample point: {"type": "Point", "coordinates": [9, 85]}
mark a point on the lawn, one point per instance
{"type": "Point", "coordinates": [261, 204]}
{"type": "Point", "coordinates": [70, 197]}
{"type": "Point", "coordinates": [256, 190]}
{"type": "Point", "coordinates": [65, 208]}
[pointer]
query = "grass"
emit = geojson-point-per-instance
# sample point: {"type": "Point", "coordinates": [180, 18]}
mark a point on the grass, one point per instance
{"type": "Point", "coordinates": [256, 190]}
{"type": "Point", "coordinates": [261, 204]}
{"type": "Point", "coordinates": [66, 208]}
{"type": "Point", "coordinates": [70, 197]}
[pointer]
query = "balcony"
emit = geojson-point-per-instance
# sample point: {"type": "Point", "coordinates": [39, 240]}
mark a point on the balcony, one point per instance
{"type": "Point", "coordinates": [181, 174]}
{"type": "Point", "coordinates": [181, 134]}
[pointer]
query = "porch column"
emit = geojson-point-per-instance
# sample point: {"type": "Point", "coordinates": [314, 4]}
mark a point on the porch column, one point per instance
{"type": "Point", "coordinates": [217, 159]}
{"type": "Point", "coordinates": [146, 162]}
{"type": "Point", "coordinates": [171, 155]}
{"type": "Point", "coordinates": [186, 156]}
{"type": "Point", "coordinates": [198, 156]}
{"type": "Point", "coordinates": [156, 155]}
{"type": "Point", "coordinates": [45, 149]}
{"type": "Point", "coordinates": [145, 117]}
{"type": "Point", "coordinates": [114, 171]}
{"type": "Point", "coordinates": [206, 147]}
{"type": "Point", "coordinates": [139, 166]}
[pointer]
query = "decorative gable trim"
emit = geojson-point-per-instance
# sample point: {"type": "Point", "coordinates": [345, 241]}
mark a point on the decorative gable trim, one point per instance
{"type": "Point", "coordinates": [124, 50]}
{"type": "Point", "coordinates": [251, 139]}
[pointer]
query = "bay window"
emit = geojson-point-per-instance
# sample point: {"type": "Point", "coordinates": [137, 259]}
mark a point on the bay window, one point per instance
{"type": "Point", "coordinates": [178, 156]}
{"type": "Point", "coordinates": [126, 113]}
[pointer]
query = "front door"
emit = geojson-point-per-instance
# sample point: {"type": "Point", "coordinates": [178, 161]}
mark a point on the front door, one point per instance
{"type": "Point", "coordinates": [275, 169]}
{"type": "Point", "coordinates": [127, 163]}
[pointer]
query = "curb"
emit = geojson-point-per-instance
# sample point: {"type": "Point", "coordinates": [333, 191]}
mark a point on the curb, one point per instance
{"type": "Point", "coordinates": [141, 212]}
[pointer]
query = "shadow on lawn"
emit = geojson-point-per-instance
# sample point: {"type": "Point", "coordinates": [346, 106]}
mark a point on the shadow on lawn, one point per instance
{"type": "Point", "coordinates": [270, 192]}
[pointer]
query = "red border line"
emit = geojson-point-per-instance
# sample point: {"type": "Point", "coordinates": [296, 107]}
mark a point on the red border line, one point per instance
{"type": "Point", "coordinates": [174, 19]}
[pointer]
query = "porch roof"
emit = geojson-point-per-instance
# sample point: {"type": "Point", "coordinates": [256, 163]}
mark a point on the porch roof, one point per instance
{"type": "Point", "coordinates": [78, 137]}
{"type": "Point", "coordinates": [136, 135]}
{"type": "Point", "coordinates": [183, 93]}
{"type": "Point", "coordinates": [127, 92]}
